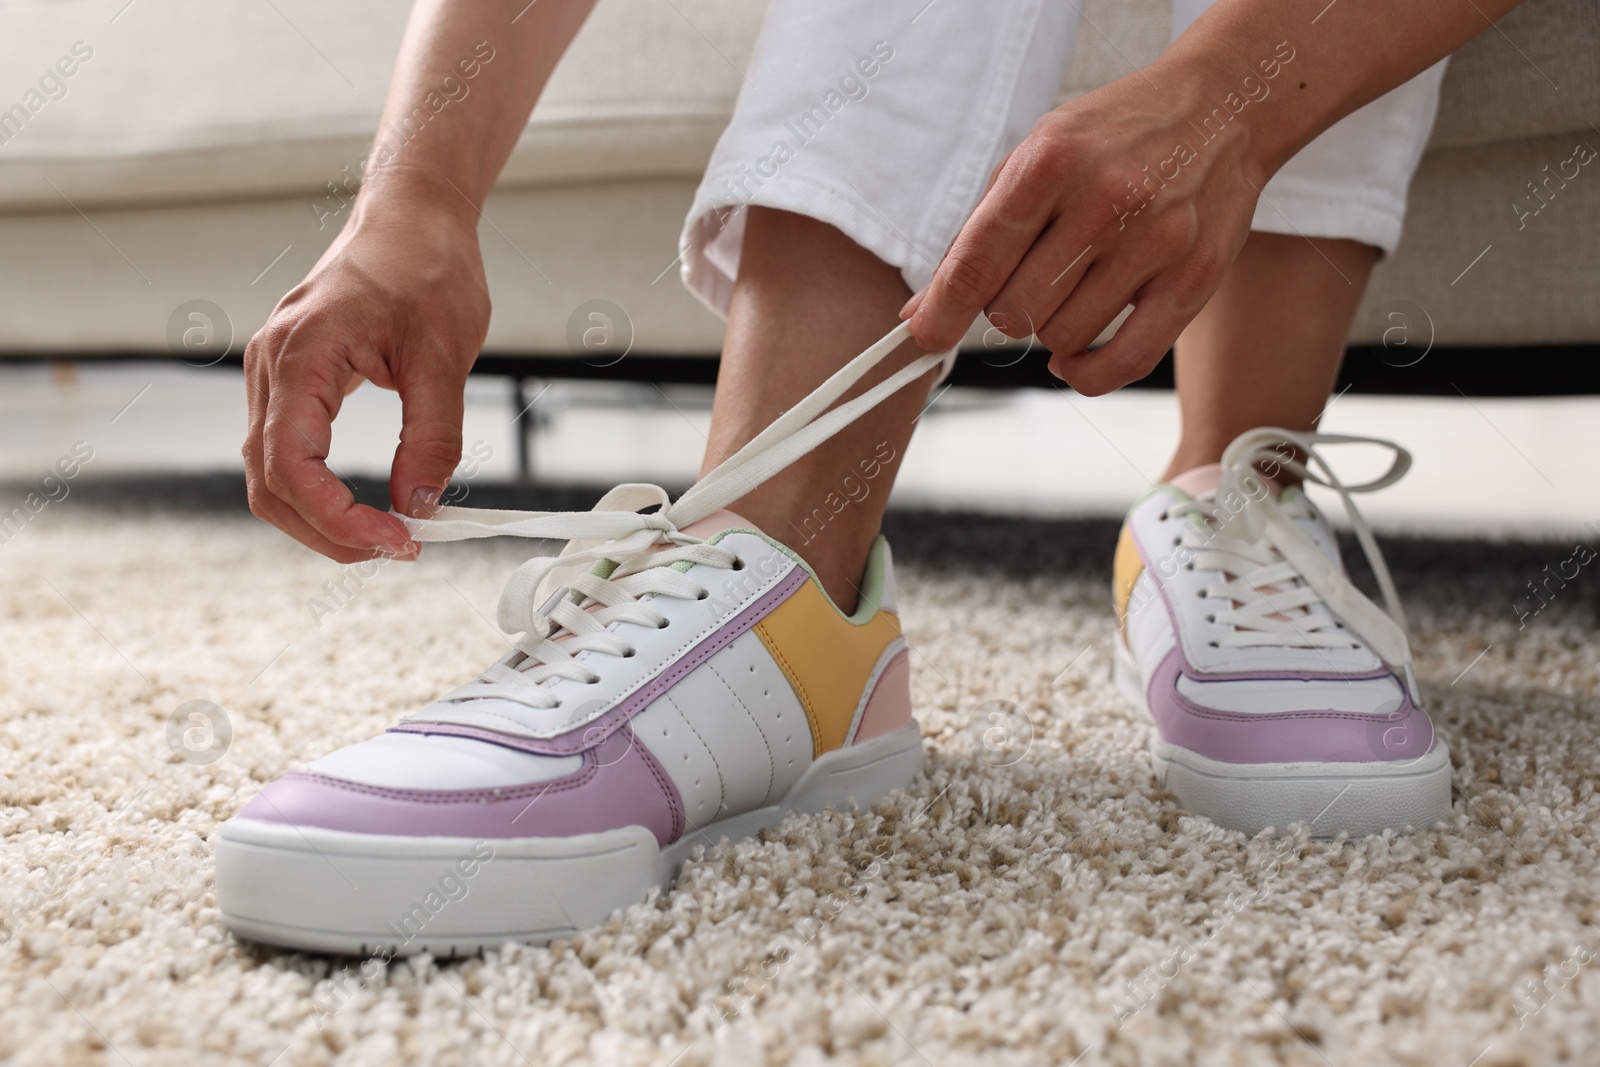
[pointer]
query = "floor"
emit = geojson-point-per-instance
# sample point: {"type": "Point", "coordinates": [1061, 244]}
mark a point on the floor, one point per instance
{"type": "Point", "coordinates": [1037, 902]}
{"type": "Point", "coordinates": [1043, 903]}
{"type": "Point", "coordinates": [1490, 467]}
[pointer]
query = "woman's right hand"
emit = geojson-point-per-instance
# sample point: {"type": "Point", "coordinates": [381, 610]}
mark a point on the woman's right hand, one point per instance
{"type": "Point", "coordinates": [399, 299]}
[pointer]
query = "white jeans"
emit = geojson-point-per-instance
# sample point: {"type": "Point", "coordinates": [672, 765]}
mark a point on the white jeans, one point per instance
{"type": "Point", "coordinates": [884, 119]}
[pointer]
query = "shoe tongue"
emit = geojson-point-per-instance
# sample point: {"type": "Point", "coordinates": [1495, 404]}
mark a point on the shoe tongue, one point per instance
{"type": "Point", "coordinates": [1202, 482]}
{"type": "Point", "coordinates": [1204, 479]}
{"type": "Point", "coordinates": [714, 524]}
{"type": "Point", "coordinates": [707, 528]}
{"type": "Point", "coordinates": [1198, 481]}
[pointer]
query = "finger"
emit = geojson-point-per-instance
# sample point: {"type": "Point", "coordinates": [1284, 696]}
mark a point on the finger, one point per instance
{"type": "Point", "coordinates": [910, 307]}
{"type": "Point", "coordinates": [256, 394]}
{"type": "Point", "coordinates": [1043, 281]}
{"type": "Point", "coordinates": [270, 509]}
{"type": "Point", "coordinates": [1105, 290]}
{"type": "Point", "coordinates": [432, 409]}
{"type": "Point", "coordinates": [995, 238]}
{"type": "Point", "coordinates": [255, 407]}
{"type": "Point", "coordinates": [263, 504]}
{"type": "Point", "coordinates": [296, 434]}
{"type": "Point", "coordinates": [1138, 345]}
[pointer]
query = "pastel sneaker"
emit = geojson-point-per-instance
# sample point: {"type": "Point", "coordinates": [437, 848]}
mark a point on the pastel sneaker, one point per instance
{"type": "Point", "coordinates": [686, 681]}
{"type": "Point", "coordinates": [1279, 692]}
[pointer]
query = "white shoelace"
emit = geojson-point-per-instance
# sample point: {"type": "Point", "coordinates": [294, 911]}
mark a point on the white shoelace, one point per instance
{"type": "Point", "coordinates": [1281, 590]}
{"type": "Point", "coordinates": [556, 623]}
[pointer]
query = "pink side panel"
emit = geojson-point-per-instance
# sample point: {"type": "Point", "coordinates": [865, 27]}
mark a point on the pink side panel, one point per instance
{"type": "Point", "coordinates": [889, 707]}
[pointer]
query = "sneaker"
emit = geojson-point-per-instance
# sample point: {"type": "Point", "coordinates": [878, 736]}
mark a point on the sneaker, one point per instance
{"type": "Point", "coordinates": [1279, 692]}
{"type": "Point", "coordinates": [686, 681]}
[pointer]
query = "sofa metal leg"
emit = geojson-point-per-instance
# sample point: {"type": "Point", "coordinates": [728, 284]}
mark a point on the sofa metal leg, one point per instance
{"type": "Point", "coordinates": [523, 424]}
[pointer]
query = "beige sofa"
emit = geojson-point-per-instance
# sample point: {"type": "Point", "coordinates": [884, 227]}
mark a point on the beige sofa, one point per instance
{"type": "Point", "coordinates": [157, 153]}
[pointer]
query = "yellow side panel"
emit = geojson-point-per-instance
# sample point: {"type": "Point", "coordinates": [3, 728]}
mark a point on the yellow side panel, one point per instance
{"type": "Point", "coordinates": [1126, 566]}
{"type": "Point", "coordinates": [826, 658]}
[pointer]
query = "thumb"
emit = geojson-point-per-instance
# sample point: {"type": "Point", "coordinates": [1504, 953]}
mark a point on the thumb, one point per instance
{"type": "Point", "coordinates": [431, 410]}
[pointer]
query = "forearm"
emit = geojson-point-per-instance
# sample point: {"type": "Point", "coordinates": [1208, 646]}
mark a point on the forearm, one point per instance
{"type": "Point", "coordinates": [1344, 54]}
{"type": "Point", "coordinates": [468, 74]}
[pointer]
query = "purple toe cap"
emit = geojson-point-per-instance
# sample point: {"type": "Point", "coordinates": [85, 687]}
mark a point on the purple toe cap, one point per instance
{"type": "Point", "coordinates": [619, 784]}
{"type": "Point", "coordinates": [1299, 736]}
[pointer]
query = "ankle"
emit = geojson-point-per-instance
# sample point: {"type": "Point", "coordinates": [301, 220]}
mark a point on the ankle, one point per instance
{"type": "Point", "coordinates": [841, 581]}
{"type": "Point", "coordinates": [1187, 459]}
{"type": "Point", "coordinates": [836, 550]}
{"type": "Point", "coordinates": [1189, 456]}
{"type": "Point", "coordinates": [838, 562]}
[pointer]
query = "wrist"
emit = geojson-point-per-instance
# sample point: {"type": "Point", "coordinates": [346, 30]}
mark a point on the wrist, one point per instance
{"type": "Point", "coordinates": [415, 193]}
{"type": "Point", "coordinates": [1244, 93]}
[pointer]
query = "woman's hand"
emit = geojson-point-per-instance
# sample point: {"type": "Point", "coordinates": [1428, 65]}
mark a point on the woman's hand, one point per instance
{"type": "Point", "coordinates": [1142, 191]}
{"type": "Point", "coordinates": [398, 299]}
{"type": "Point", "coordinates": [1114, 198]}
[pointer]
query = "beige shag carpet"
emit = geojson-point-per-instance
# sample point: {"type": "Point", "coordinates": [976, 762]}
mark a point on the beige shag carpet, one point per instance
{"type": "Point", "coordinates": [1035, 900]}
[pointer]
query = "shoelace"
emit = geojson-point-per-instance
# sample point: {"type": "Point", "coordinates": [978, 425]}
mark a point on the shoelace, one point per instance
{"type": "Point", "coordinates": [559, 604]}
{"type": "Point", "coordinates": [1282, 590]}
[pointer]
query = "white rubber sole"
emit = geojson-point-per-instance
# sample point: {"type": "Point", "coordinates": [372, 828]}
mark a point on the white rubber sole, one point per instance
{"type": "Point", "coordinates": [1357, 799]}
{"type": "Point", "coordinates": [367, 894]}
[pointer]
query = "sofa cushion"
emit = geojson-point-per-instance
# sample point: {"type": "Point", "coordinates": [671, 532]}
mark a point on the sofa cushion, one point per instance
{"type": "Point", "coordinates": [1535, 74]}
{"type": "Point", "coordinates": [187, 100]}
{"type": "Point", "coordinates": [281, 97]}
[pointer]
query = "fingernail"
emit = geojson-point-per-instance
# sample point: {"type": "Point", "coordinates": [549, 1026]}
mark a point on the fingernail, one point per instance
{"type": "Point", "coordinates": [911, 305]}
{"type": "Point", "coordinates": [402, 550]}
{"type": "Point", "coordinates": [398, 542]}
{"type": "Point", "coordinates": [424, 503]}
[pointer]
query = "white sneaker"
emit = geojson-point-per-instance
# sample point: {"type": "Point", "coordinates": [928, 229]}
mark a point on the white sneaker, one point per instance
{"type": "Point", "coordinates": [680, 678]}
{"type": "Point", "coordinates": [1280, 693]}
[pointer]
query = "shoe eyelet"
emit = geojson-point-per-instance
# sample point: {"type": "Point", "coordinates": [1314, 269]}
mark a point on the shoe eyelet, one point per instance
{"type": "Point", "coordinates": [1213, 644]}
{"type": "Point", "coordinates": [738, 563]}
{"type": "Point", "coordinates": [705, 594]}
{"type": "Point", "coordinates": [663, 624]}
{"type": "Point", "coordinates": [1188, 566]}
{"type": "Point", "coordinates": [632, 652]}
{"type": "Point", "coordinates": [1211, 618]}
